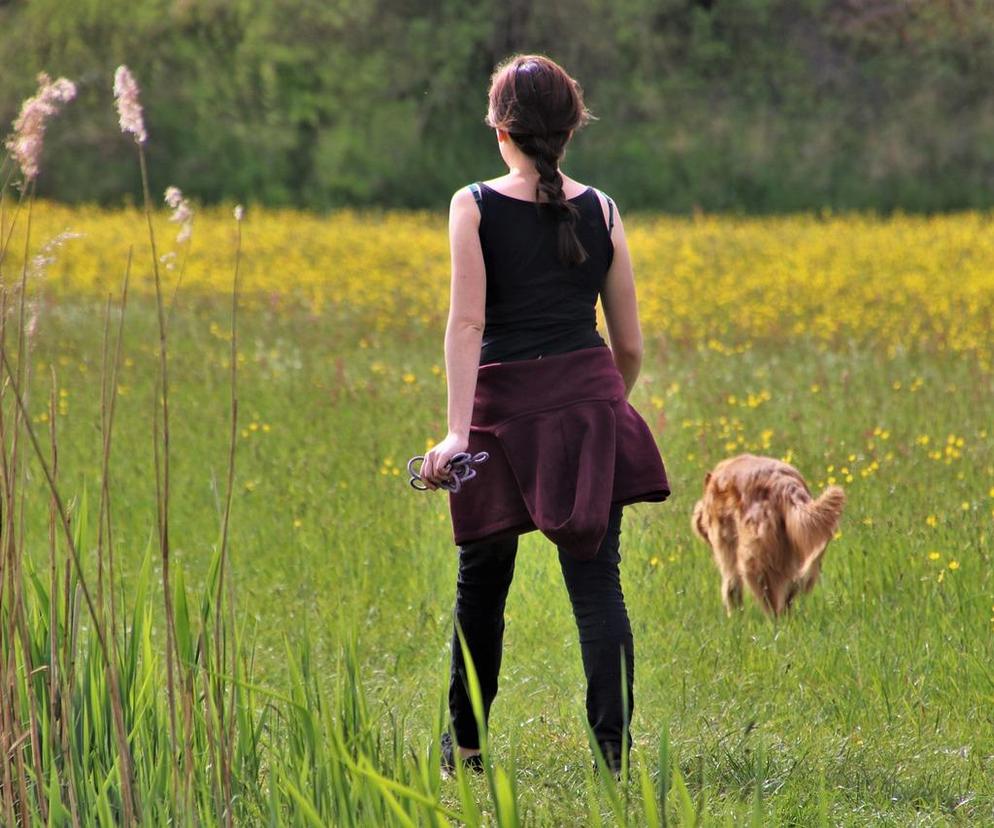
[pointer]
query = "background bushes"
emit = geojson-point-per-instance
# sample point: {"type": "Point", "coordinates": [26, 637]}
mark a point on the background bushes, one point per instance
{"type": "Point", "coordinates": [744, 105]}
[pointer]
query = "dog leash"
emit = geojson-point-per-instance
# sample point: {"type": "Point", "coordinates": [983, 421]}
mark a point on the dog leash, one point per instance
{"type": "Point", "coordinates": [461, 466]}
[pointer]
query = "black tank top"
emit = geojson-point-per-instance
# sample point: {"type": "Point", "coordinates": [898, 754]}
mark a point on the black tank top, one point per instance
{"type": "Point", "coordinates": [536, 306]}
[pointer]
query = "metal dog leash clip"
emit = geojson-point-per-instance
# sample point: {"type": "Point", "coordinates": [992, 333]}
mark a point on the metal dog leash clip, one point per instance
{"type": "Point", "coordinates": [461, 466]}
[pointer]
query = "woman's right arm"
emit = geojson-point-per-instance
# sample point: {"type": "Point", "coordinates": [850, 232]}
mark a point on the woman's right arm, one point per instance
{"type": "Point", "coordinates": [621, 308]}
{"type": "Point", "coordinates": [463, 333]}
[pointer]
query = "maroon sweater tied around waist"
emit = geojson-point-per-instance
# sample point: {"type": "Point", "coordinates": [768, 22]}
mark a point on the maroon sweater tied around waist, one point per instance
{"type": "Point", "coordinates": [564, 444]}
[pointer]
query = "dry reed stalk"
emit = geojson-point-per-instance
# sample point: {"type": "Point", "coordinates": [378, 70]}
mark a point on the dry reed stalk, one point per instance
{"type": "Point", "coordinates": [7, 742]}
{"type": "Point", "coordinates": [11, 545]}
{"type": "Point", "coordinates": [58, 693]}
{"type": "Point", "coordinates": [179, 280]}
{"type": "Point", "coordinates": [12, 464]}
{"type": "Point", "coordinates": [210, 710]}
{"type": "Point", "coordinates": [7, 727]}
{"type": "Point", "coordinates": [15, 775]}
{"type": "Point", "coordinates": [30, 125]}
{"type": "Point", "coordinates": [103, 433]}
{"type": "Point", "coordinates": [108, 398]}
{"type": "Point", "coordinates": [30, 672]}
{"type": "Point", "coordinates": [14, 786]}
{"type": "Point", "coordinates": [187, 699]}
{"type": "Point", "coordinates": [131, 813]}
{"type": "Point", "coordinates": [33, 734]}
{"type": "Point", "coordinates": [10, 540]}
{"type": "Point", "coordinates": [54, 674]}
{"type": "Point", "coordinates": [162, 466]}
{"type": "Point", "coordinates": [24, 366]}
{"type": "Point", "coordinates": [233, 440]}
{"type": "Point", "coordinates": [103, 465]}
{"type": "Point", "coordinates": [107, 422]}
{"type": "Point", "coordinates": [221, 742]}
{"type": "Point", "coordinates": [21, 327]}
{"type": "Point", "coordinates": [5, 240]}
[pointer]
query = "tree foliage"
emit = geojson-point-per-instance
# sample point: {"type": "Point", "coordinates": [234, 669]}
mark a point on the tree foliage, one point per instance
{"type": "Point", "coordinates": [758, 105]}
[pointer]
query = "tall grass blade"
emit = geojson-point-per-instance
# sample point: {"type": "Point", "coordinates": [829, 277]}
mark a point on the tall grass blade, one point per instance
{"type": "Point", "coordinates": [663, 770]}
{"type": "Point", "coordinates": [684, 803]}
{"type": "Point", "coordinates": [649, 804]}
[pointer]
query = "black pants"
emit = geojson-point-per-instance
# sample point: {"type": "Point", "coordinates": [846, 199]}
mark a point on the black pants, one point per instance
{"type": "Point", "coordinates": [485, 572]}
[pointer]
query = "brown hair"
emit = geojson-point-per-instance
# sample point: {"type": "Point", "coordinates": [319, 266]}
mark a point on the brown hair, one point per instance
{"type": "Point", "coordinates": [540, 105]}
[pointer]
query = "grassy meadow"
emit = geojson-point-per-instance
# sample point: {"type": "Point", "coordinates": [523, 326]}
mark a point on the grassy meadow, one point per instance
{"type": "Point", "coordinates": [858, 348]}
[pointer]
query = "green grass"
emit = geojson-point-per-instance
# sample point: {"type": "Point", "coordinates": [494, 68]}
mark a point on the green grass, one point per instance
{"type": "Point", "coordinates": [870, 705]}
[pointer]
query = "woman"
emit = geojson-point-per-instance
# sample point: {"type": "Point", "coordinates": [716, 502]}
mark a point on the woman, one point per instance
{"type": "Point", "coordinates": [545, 396]}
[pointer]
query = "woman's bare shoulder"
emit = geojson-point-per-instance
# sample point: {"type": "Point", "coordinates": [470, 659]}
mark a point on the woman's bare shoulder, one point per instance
{"type": "Point", "coordinates": [462, 198]}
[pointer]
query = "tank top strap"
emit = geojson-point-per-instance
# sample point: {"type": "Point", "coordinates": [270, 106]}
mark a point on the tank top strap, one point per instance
{"type": "Point", "coordinates": [610, 209]}
{"type": "Point", "coordinates": [477, 194]}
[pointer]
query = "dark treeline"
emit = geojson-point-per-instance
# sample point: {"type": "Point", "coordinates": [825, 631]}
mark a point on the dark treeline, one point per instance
{"type": "Point", "coordinates": [753, 105]}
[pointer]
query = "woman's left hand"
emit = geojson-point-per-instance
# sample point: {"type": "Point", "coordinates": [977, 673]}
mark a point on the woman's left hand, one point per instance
{"type": "Point", "coordinates": [433, 469]}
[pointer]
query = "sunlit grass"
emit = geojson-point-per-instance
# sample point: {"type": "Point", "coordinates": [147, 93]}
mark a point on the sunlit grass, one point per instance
{"type": "Point", "coordinates": [853, 347]}
{"type": "Point", "coordinates": [871, 702]}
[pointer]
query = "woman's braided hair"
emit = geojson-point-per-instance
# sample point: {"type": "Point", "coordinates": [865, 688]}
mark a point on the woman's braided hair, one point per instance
{"type": "Point", "coordinates": [539, 105]}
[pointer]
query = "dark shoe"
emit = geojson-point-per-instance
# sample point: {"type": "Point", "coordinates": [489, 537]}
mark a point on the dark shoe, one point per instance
{"type": "Point", "coordinates": [473, 763]}
{"type": "Point", "coordinates": [612, 758]}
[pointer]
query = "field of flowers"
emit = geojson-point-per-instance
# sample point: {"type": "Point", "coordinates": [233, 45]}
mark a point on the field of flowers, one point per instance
{"type": "Point", "coordinates": [857, 347]}
{"type": "Point", "coordinates": [899, 283]}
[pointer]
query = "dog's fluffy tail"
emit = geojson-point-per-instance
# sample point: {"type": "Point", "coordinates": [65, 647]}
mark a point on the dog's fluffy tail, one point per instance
{"type": "Point", "coordinates": [810, 525]}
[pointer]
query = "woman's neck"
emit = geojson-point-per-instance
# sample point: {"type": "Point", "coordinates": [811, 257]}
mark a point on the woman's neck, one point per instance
{"type": "Point", "coordinates": [527, 174]}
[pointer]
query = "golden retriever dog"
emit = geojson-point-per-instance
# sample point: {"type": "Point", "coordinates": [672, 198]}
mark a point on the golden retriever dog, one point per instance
{"type": "Point", "coordinates": [765, 529]}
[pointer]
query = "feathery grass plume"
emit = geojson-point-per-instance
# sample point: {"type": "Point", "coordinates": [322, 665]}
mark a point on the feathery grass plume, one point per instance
{"type": "Point", "coordinates": [46, 256]}
{"type": "Point", "coordinates": [182, 213]}
{"type": "Point", "coordinates": [29, 128]}
{"type": "Point", "coordinates": [239, 212]}
{"type": "Point", "coordinates": [39, 263]}
{"type": "Point", "coordinates": [129, 109]}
